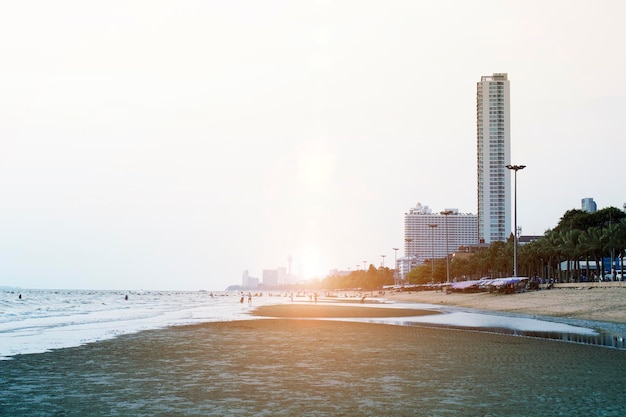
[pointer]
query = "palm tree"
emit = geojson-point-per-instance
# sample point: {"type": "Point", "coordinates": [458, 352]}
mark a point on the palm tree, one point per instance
{"type": "Point", "coordinates": [594, 244]}
{"type": "Point", "coordinates": [615, 241]}
{"type": "Point", "coordinates": [572, 249]}
{"type": "Point", "coordinates": [549, 249]}
{"type": "Point", "coordinates": [529, 258]}
{"type": "Point", "coordinates": [620, 240]}
{"type": "Point", "coordinates": [500, 260]}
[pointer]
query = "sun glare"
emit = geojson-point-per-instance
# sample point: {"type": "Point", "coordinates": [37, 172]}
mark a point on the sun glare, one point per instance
{"type": "Point", "coordinates": [310, 265]}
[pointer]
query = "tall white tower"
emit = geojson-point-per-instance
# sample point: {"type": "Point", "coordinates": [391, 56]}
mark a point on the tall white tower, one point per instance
{"type": "Point", "coordinates": [493, 145]}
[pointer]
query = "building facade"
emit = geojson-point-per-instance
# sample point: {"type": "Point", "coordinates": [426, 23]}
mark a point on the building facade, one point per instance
{"type": "Point", "coordinates": [248, 282]}
{"type": "Point", "coordinates": [588, 205]}
{"type": "Point", "coordinates": [493, 134]}
{"type": "Point", "coordinates": [425, 234]}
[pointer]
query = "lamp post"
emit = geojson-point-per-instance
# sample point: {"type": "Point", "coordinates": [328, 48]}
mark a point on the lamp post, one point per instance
{"type": "Point", "coordinates": [407, 242]}
{"type": "Point", "coordinates": [515, 168]}
{"type": "Point", "coordinates": [446, 214]}
{"type": "Point", "coordinates": [395, 266]}
{"type": "Point", "coordinates": [382, 263]}
{"type": "Point", "coordinates": [432, 250]}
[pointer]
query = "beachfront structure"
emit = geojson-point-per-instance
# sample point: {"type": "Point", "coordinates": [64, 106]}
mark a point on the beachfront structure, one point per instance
{"type": "Point", "coordinates": [248, 282]}
{"type": "Point", "coordinates": [425, 234]}
{"type": "Point", "coordinates": [404, 265]}
{"type": "Point", "coordinates": [588, 205]}
{"type": "Point", "coordinates": [274, 277]}
{"type": "Point", "coordinates": [493, 137]}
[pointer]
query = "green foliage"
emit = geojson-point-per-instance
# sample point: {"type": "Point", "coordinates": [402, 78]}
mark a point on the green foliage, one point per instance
{"type": "Point", "coordinates": [578, 236]}
{"type": "Point", "coordinates": [372, 279]}
{"type": "Point", "coordinates": [582, 220]}
{"type": "Point", "coordinates": [574, 219]}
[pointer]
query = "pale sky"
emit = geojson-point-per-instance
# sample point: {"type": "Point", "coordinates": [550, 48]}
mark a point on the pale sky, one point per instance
{"type": "Point", "coordinates": [175, 144]}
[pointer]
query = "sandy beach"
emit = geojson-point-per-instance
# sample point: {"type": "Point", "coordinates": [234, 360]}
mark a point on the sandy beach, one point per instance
{"type": "Point", "coordinates": [584, 302]}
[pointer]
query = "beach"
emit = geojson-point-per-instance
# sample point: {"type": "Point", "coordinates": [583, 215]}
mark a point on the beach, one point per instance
{"type": "Point", "coordinates": [573, 301]}
{"type": "Point", "coordinates": [303, 362]}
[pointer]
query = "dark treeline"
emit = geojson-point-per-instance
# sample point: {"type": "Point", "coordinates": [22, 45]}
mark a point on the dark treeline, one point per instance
{"type": "Point", "coordinates": [372, 279]}
{"type": "Point", "coordinates": [579, 236]}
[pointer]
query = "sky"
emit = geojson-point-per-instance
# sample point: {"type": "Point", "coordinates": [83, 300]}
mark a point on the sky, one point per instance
{"type": "Point", "coordinates": [172, 145]}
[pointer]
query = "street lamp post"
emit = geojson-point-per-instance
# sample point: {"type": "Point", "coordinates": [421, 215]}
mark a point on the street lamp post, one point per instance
{"type": "Point", "coordinates": [407, 242]}
{"type": "Point", "coordinates": [446, 214]}
{"type": "Point", "coordinates": [382, 263]}
{"type": "Point", "coordinates": [432, 250]}
{"type": "Point", "coordinates": [395, 266]}
{"type": "Point", "coordinates": [515, 168]}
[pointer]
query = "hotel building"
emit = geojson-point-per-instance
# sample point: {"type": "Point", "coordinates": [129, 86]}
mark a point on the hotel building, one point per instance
{"type": "Point", "coordinates": [493, 134]}
{"type": "Point", "coordinates": [425, 234]}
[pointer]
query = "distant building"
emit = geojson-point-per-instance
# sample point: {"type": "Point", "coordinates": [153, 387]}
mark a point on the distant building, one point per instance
{"type": "Point", "coordinates": [274, 277]}
{"type": "Point", "coordinates": [493, 137]}
{"type": "Point", "coordinates": [339, 273]}
{"type": "Point", "coordinates": [270, 277]}
{"type": "Point", "coordinates": [524, 239]}
{"type": "Point", "coordinates": [248, 282]}
{"type": "Point", "coordinates": [588, 205]}
{"type": "Point", "coordinates": [425, 234]}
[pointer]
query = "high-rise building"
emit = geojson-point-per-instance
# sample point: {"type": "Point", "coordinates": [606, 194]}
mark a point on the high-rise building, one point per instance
{"type": "Point", "coordinates": [493, 144]}
{"type": "Point", "coordinates": [248, 282]}
{"type": "Point", "coordinates": [425, 234]}
{"type": "Point", "coordinates": [588, 205]}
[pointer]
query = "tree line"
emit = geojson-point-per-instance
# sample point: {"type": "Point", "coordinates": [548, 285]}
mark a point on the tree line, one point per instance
{"type": "Point", "coordinates": [579, 236]}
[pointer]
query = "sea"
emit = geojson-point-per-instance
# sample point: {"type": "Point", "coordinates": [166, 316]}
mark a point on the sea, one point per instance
{"type": "Point", "coordinates": [37, 321]}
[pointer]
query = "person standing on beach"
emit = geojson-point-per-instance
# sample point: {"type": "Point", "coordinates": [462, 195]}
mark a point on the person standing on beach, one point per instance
{"type": "Point", "coordinates": [249, 297]}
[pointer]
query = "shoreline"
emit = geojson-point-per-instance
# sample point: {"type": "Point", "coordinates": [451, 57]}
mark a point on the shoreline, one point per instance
{"type": "Point", "coordinates": [513, 319]}
{"type": "Point", "coordinates": [286, 367]}
{"type": "Point", "coordinates": [570, 303]}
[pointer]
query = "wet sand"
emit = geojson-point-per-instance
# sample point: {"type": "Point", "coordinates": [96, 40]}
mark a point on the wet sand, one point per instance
{"type": "Point", "coordinates": [606, 304]}
{"type": "Point", "coordinates": [309, 310]}
{"type": "Point", "coordinates": [306, 367]}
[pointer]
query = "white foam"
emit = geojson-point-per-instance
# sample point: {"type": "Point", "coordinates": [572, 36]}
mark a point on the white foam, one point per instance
{"type": "Point", "coordinates": [45, 320]}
